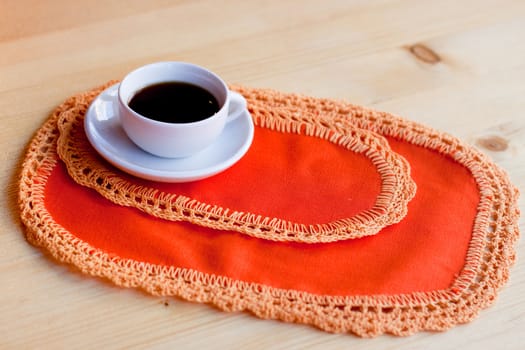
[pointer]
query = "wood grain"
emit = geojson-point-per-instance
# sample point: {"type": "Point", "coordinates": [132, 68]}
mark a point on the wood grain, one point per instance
{"type": "Point", "coordinates": [456, 65]}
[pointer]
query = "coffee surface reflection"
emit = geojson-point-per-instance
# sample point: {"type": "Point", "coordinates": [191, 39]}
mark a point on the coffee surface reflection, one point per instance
{"type": "Point", "coordinates": [174, 102]}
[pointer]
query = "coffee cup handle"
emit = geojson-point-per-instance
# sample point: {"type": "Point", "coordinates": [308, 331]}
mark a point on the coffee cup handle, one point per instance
{"type": "Point", "coordinates": [237, 106]}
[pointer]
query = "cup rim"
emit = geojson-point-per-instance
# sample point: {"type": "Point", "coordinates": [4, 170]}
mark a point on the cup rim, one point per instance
{"type": "Point", "coordinates": [167, 124]}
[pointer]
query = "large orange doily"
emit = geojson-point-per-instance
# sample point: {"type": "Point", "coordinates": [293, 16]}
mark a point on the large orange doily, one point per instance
{"type": "Point", "coordinates": [437, 267]}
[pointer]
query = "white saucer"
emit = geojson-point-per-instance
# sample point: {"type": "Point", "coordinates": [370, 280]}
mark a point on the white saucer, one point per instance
{"type": "Point", "coordinates": [106, 135]}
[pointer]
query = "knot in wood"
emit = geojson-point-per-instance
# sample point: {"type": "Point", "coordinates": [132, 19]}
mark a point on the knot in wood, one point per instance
{"type": "Point", "coordinates": [424, 53]}
{"type": "Point", "coordinates": [493, 143]}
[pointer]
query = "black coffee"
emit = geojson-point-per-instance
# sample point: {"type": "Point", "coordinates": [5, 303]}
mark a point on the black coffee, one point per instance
{"type": "Point", "coordinates": [174, 102]}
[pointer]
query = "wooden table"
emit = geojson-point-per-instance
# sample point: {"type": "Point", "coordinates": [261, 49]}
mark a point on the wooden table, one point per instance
{"type": "Point", "coordinates": [456, 65]}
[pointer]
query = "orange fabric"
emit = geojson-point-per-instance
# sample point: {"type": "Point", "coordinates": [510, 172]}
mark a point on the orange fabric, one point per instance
{"type": "Point", "coordinates": [277, 173]}
{"type": "Point", "coordinates": [380, 275]}
{"type": "Point", "coordinates": [422, 253]}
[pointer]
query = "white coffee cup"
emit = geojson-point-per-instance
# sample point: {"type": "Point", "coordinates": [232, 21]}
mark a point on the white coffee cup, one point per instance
{"type": "Point", "coordinates": [175, 140]}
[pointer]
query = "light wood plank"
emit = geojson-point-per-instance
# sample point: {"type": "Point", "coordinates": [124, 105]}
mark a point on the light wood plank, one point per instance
{"type": "Point", "coordinates": [355, 50]}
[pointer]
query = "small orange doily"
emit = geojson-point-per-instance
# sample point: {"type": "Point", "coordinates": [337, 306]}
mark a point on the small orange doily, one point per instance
{"type": "Point", "coordinates": [180, 201]}
{"type": "Point", "coordinates": [438, 267]}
